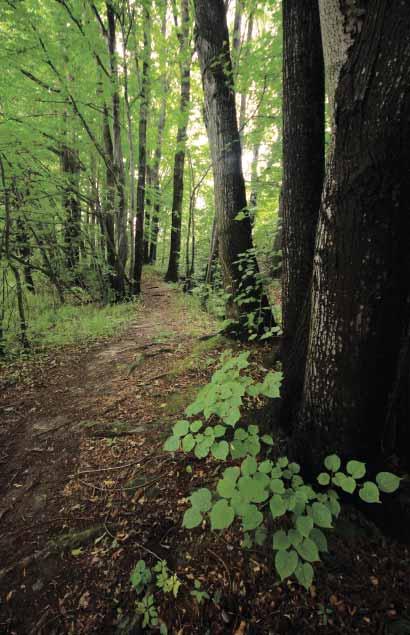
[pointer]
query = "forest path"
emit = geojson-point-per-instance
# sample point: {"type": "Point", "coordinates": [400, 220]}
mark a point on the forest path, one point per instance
{"type": "Point", "coordinates": [65, 432]}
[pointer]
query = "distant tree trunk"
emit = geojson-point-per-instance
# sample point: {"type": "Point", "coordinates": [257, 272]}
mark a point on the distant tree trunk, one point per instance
{"type": "Point", "coordinates": [234, 236]}
{"type": "Point", "coordinates": [303, 173]}
{"type": "Point", "coordinates": [148, 215]}
{"type": "Point", "coordinates": [356, 388]}
{"type": "Point", "coordinates": [179, 158]}
{"type": "Point", "coordinates": [213, 253]}
{"type": "Point", "coordinates": [25, 253]}
{"type": "Point", "coordinates": [156, 189]}
{"type": "Point", "coordinates": [70, 167]}
{"type": "Point", "coordinates": [142, 152]}
{"type": "Point", "coordinates": [253, 197]}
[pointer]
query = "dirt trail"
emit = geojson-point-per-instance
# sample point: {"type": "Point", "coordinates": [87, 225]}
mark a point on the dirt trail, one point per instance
{"type": "Point", "coordinates": [88, 408]}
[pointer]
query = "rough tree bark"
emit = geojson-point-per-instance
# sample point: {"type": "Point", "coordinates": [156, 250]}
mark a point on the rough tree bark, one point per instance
{"type": "Point", "coordinates": [356, 390]}
{"type": "Point", "coordinates": [303, 173]}
{"type": "Point", "coordinates": [179, 159]}
{"type": "Point", "coordinates": [234, 236]}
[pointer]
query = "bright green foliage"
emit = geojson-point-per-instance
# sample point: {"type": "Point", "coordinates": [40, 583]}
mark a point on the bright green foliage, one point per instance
{"type": "Point", "coordinates": [146, 607]}
{"type": "Point", "coordinates": [166, 581]}
{"type": "Point", "coordinates": [199, 595]}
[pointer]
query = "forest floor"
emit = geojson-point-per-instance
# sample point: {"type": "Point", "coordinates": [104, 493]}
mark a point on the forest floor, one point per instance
{"type": "Point", "coordinates": [86, 491]}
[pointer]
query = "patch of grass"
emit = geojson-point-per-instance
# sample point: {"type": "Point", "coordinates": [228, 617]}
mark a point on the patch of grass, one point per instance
{"type": "Point", "coordinates": [53, 325]}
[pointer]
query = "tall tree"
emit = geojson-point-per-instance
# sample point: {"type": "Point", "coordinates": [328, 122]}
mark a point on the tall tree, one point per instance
{"type": "Point", "coordinates": [142, 150]}
{"type": "Point", "coordinates": [356, 388]}
{"type": "Point", "coordinates": [303, 173]}
{"type": "Point", "coordinates": [234, 233]}
{"type": "Point", "coordinates": [179, 158]}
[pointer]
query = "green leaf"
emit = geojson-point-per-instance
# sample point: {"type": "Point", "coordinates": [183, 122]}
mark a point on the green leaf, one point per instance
{"type": "Point", "coordinates": [222, 515]}
{"type": "Point", "coordinates": [356, 468]}
{"type": "Point", "coordinates": [249, 466]}
{"type": "Point", "coordinates": [319, 538]}
{"type": "Point", "coordinates": [265, 467]}
{"type": "Point", "coordinates": [323, 478]}
{"type": "Point", "coordinates": [304, 524]}
{"type": "Point", "coordinates": [260, 536]}
{"type": "Point", "coordinates": [295, 537]}
{"type": "Point", "coordinates": [188, 443]}
{"type": "Point", "coordinates": [387, 482]}
{"type": "Point", "coordinates": [252, 490]}
{"type": "Point", "coordinates": [280, 540]}
{"type": "Point", "coordinates": [219, 431]}
{"type": "Point", "coordinates": [266, 438]}
{"type": "Point", "coordinates": [348, 484]}
{"type": "Point", "coordinates": [232, 473]}
{"type": "Point", "coordinates": [192, 518]}
{"type": "Point", "coordinates": [332, 463]}
{"type": "Point", "coordinates": [171, 444]}
{"type": "Point", "coordinates": [282, 461]}
{"type": "Point", "coordinates": [277, 486]}
{"type": "Point", "coordinates": [201, 450]}
{"type": "Point", "coordinates": [321, 515]}
{"type": "Point", "coordinates": [308, 550]}
{"type": "Point", "coordinates": [294, 468]}
{"type": "Point", "coordinates": [286, 563]}
{"type": "Point", "coordinates": [226, 488]}
{"type": "Point", "coordinates": [252, 518]}
{"type": "Point", "coordinates": [196, 426]}
{"type": "Point", "coordinates": [181, 428]}
{"type": "Point", "coordinates": [277, 506]}
{"type": "Point", "coordinates": [369, 493]}
{"type": "Point", "coordinates": [220, 450]}
{"type": "Point", "coordinates": [201, 499]}
{"type": "Point", "coordinates": [304, 575]}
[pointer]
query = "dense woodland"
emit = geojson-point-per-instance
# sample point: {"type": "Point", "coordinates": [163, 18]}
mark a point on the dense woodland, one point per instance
{"type": "Point", "coordinates": [248, 159]}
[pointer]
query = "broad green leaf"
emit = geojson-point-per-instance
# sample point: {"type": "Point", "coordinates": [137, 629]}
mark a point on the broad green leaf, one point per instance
{"type": "Point", "coordinates": [196, 426]}
{"type": "Point", "coordinates": [319, 538]}
{"type": "Point", "coordinates": [286, 563]}
{"type": "Point", "coordinates": [277, 506]}
{"type": "Point", "coordinates": [172, 444]}
{"type": "Point", "coordinates": [348, 484]}
{"type": "Point", "coordinates": [252, 490]}
{"type": "Point", "coordinates": [201, 450]}
{"type": "Point", "coordinates": [249, 466]}
{"type": "Point", "coordinates": [294, 468]}
{"type": "Point", "coordinates": [226, 487]}
{"type": "Point", "coordinates": [295, 537]}
{"type": "Point", "coordinates": [280, 540]}
{"type": "Point", "coordinates": [232, 473]}
{"type": "Point", "coordinates": [222, 515]}
{"type": "Point", "coordinates": [321, 515]}
{"type": "Point", "coordinates": [219, 431]}
{"type": "Point", "coordinates": [323, 478]}
{"type": "Point", "coordinates": [265, 467]}
{"type": "Point", "coordinates": [332, 463]}
{"type": "Point", "coordinates": [220, 450]}
{"type": "Point", "coordinates": [387, 482]}
{"type": "Point", "coordinates": [267, 439]}
{"type": "Point", "coordinates": [304, 524]}
{"type": "Point", "coordinates": [252, 518]}
{"type": "Point", "coordinates": [369, 493]}
{"type": "Point", "coordinates": [308, 550]}
{"type": "Point", "coordinates": [277, 486]}
{"type": "Point", "coordinates": [282, 461]}
{"type": "Point", "coordinates": [356, 468]}
{"type": "Point", "coordinates": [192, 518]}
{"type": "Point", "coordinates": [180, 428]}
{"type": "Point", "coordinates": [201, 499]}
{"type": "Point", "coordinates": [188, 443]}
{"type": "Point", "coordinates": [304, 575]}
{"type": "Point", "coordinates": [260, 536]}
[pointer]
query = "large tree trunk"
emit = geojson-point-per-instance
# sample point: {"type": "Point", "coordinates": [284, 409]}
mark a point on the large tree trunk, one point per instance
{"type": "Point", "coordinates": [142, 154]}
{"type": "Point", "coordinates": [303, 173]}
{"type": "Point", "coordinates": [179, 159]}
{"type": "Point", "coordinates": [234, 236]}
{"type": "Point", "coordinates": [355, 397]}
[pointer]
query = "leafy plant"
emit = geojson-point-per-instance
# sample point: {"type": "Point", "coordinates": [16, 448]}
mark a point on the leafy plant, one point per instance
{"type": "Point", "coordinates": [166, 581]}
{"type": "Point", "coordinates": [199, 595]}
{"type": "Point", "coordinates": [140, 576]}
{"type": "Point", "coordinates": [146, 607]}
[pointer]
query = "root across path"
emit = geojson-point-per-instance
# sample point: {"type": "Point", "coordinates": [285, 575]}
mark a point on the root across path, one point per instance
{"type": "Point", "coordinates": [86, 491]}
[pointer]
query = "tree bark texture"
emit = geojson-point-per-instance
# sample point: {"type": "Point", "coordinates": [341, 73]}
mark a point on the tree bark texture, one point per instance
{"type": "Point", "coordinates": [355, 396]}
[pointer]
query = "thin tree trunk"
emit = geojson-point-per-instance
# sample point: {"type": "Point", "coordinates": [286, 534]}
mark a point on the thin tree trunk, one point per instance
{"type": "Point", "coordinates": [142, 153]}
{"type": "Point", "coordinates": [234, 236]}
{"type": "Point", "coordinates": [172, 273]}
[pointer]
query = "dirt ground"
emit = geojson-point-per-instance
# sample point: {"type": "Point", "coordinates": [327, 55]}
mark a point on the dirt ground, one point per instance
{"type": "Point", "coordinates": [86, 491]}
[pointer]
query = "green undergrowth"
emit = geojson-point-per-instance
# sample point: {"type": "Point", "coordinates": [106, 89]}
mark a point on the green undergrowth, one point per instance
{"type": "Point", "coordinates": [54, 325]}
